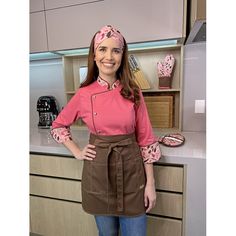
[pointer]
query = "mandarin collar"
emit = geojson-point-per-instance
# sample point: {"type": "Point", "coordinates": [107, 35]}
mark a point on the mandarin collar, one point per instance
{"type": "Point", "coordinates": [105, 84]}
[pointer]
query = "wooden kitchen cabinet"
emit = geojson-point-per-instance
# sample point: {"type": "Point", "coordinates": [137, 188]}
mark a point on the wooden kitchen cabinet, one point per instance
{"type": "Point", "coordinates": [159, 226]}
{"type": "Point", "coordinates": [53, 217]}
{"type": "Point", "coordinates": [68, 27]}
{"type": "Point", "coordinates": [56, 166]}
{"type": "Point", "coordinates": [170, 114]}
{"type": "Point", "coordinates": [55, 199]}
{"type": "Point", "coordinates": [56, 188]}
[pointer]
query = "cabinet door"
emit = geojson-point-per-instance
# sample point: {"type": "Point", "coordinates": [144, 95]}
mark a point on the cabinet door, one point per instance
{"type": "Point", "coordinates": [56, 188]}
{"type": "Point", "coordinates": [51, 217]}
{"type": "Point", "coordinates": [74, 26]}
{"type": "Point", "coordinates": [169, 178]}
{"type": "Point", "coordinates": [50, 4]}
{"type": "Point", "coordinates": [69, 27]}
{"type": "Point", "coordinates": [169, 204]}
{"type": "Point", "coordinates": [158, 226]}
{"type": "Point", "coordinates": [57, 166]}
{"type": "Point", "coordinates": [148, 20]}
{"type": "Point", "coordinates": [36, 5]}
{"type": "Point", "coordinates": [38, 36]}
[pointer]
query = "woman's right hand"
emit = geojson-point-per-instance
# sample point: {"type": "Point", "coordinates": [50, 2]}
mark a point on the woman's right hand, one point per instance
{"type": "Point", "coordinates": [87, 153]}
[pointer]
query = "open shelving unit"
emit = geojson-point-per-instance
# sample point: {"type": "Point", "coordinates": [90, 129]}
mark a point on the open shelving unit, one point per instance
{"type": "Point", "coordinates": [147, 57]}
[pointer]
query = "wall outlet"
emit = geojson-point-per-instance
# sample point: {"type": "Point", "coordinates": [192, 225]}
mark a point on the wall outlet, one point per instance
{"type": "Point", "coordinates": [200, 106]}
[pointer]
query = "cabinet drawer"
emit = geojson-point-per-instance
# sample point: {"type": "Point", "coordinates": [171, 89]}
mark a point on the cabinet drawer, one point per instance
{"type": "Point", "coordinates": [50, 217]}
{"type": "Point", "coordinates": [169, 178]}
{"type": "Point", "coordinates": [169, 204]}
{"type": "Point", "coordinates": [158, 226]}
{"type": "Point", "coordinates": [56, 188]}
{"type": "Point", "coordinates": [56, 166]}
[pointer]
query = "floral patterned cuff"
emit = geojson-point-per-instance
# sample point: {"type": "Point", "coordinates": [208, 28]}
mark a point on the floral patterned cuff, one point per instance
{"type": "Point", "coordinates": [151, 153]}
{"type": "Point", "coordinates": [60, 135]}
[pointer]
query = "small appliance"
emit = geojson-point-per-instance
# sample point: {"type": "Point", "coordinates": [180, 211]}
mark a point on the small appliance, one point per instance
{"type": "Point", "coordinates": [48, 109]}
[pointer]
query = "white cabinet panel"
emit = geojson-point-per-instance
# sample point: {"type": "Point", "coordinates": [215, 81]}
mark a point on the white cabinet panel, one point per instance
{"type": "Point", "coordinates": [36, 5]}
{"type": "Point", "coordinates": [50, 4]}
{"type": "Point", "coordinates": [69, 27]}
{"type": "Point", "coordinates": [38, 36]}
{"type": "Point", "coordinates": [148, 20]}
{"type": "Point", "coordinates": [73, 27]}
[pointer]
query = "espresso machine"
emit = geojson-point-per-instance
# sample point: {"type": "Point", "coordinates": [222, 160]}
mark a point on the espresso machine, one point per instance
{"type": "Point", "coordinates": [48, 109]}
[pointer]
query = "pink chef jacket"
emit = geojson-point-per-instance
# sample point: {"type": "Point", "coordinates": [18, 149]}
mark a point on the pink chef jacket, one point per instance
{"type": "Point", "coordinates": [106, 112]}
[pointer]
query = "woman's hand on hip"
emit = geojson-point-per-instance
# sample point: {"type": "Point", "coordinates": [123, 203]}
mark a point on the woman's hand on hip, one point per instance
{"type": "Point", "coordinates": [149, 197]}
{"type": "Point", "coordinates": [87, 153]}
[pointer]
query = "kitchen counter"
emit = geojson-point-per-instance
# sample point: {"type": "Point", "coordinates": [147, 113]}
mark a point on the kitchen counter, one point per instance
{"type": "Point", "coordinates": [192, 155]}
{"type": "Point", "coordinates": [194, 147]}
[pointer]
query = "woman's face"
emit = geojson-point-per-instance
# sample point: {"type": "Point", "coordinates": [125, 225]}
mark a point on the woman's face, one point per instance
{"type": "Point", "coordinates": [108, 56]}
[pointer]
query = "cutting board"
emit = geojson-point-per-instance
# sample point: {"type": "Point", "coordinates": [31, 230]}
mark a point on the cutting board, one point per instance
{"type": "Point", "coordinates": [160, 110]}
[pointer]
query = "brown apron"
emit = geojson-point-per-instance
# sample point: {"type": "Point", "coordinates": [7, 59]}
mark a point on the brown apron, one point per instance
{"type": "Point", "coordinates": [113, 183]}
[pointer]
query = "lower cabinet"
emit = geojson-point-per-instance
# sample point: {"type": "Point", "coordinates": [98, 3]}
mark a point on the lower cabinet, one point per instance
{"type": "Point", "coordinates": [55, 199]}
{"type": "Point", "coordinates": [52, 217]}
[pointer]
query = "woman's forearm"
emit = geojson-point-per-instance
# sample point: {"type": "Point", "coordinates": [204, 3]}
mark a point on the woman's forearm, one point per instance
{"type": "Point", "coordinates": [87, 153]}
{"type": "Point", "coordinates": [72, 147]}
{"type": "Point", "coordinates": [149, 174]}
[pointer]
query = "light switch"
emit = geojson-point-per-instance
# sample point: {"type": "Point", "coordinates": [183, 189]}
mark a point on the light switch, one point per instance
{"type": "Point", "coordinates": [199, 106]}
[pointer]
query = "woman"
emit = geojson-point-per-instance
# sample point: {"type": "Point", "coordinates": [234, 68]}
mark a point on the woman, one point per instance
{"type": "Point", "coordinates": [117, 182]}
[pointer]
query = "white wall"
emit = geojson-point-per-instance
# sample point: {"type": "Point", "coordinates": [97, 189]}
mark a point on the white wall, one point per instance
{"type": "Point", "coordinates": [46, 78]}
{"type": "Point", "coordinates": [194, 86]}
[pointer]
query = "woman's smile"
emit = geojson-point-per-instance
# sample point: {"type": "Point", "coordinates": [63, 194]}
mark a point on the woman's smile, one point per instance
{"type": "Point", "coordinates": [108, 64]}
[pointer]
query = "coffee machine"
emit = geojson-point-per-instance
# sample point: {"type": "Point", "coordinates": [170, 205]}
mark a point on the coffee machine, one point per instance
{"type": "Point", "coordinates": [48, 109]}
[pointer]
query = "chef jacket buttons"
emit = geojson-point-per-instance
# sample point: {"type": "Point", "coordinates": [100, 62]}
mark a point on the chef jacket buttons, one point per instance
{"type": "Point", "coordinates": [95, 113]}
{"type": "Point", "coordinates": [94, 96]}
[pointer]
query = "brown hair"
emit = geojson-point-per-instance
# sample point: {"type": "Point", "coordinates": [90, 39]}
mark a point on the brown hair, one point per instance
{"type": "Point", "coordinates": [129, 90]}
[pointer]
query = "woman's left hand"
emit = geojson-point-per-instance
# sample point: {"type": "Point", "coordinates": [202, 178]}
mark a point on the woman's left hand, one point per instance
{"type": "Point", "coordinates": [149, 197]}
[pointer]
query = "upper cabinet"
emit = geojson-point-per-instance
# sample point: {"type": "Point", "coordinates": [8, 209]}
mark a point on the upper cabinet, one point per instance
{"type": "Point", "coordinates": [38, 32]}
{"type": "Point", "coordinates": [71, 23]}
{"type": "Point", "coordinates": [73, 27]}
{"type": "Point", "coordinates": [38, 35]}
{"type": "Point", "coordinates": [36, 5]}
{"type": "Point", "coordinates": [52, 4]}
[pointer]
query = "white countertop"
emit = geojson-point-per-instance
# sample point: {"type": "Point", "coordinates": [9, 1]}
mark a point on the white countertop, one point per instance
{"type": "Point", "coordinates": [193, 149]}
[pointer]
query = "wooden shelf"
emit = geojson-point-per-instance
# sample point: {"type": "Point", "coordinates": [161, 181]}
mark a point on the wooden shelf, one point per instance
{"type": "Point", "coordinates": [70, 92]}
{"type": "Point", "coordinates": [159, 90]}
{"type": "Point", "coordinates": [153, 90]}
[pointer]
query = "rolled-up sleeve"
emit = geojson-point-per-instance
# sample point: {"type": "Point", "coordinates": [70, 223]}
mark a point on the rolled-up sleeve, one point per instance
{"type": "Point", "coordinates": [146, 139]}
{"type": "Point", "coordinates": [60, 129]}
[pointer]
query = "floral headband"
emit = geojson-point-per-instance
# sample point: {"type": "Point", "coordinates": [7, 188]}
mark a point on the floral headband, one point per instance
{"type": "Point", "coordinates": [108, 32]}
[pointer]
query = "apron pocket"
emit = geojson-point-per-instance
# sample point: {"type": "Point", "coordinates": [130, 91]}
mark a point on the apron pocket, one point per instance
{"type": "Point", "coordinates": [94, 177]}
{"type": "Point", "coordinates": [134, 175]}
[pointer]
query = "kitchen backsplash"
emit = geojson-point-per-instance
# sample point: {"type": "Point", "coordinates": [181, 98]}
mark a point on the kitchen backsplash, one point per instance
{"type": "Point", "coordinates": [46, 78]}
{"type": "Point", "coordinates": [194, 86]}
